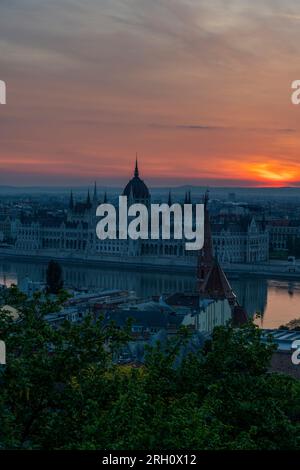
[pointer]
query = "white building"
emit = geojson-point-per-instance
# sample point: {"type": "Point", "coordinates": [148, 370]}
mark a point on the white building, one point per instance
{"type": "Point", "coordinates": [243, 242]}
{"type": "Point", "coordinates": [75, 236]}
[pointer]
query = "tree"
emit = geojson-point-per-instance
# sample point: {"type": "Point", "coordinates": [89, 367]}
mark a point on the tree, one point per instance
{"type": "Point", "coordinates": [39, 384]}
{"type": "Point", "coordinates": [54, 277]}
{"type": "Point", "coordinates": [61, 388]}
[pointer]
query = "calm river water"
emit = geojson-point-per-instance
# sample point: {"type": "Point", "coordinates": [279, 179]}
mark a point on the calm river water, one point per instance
{"type": "Point", "coordinates": [277, 301]}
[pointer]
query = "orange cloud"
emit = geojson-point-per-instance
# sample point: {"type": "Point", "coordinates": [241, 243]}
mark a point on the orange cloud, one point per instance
{"type": "Point", "coordinates": [272, 172]}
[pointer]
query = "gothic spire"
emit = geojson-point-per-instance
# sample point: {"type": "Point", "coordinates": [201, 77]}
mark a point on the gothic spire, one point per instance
{"type": "Point", "coordinates": [216, 285]}
{"type": "Point", "coordinates": [88, 199]}
{"type": "Point", "coordinates": [169, 199]}
{"type": "Point", "coordinates": [206, 255]}
{"type": "Point", "coordinates": [136, 170]}
{"type": "Point", "coordinates": [105, 198]}
{"type": "Point", "coordinates": [71, 201]}
{"type": "Point", "coordinates": [95, 196]}
{"type": "Point", "coordinates": [206, 198]}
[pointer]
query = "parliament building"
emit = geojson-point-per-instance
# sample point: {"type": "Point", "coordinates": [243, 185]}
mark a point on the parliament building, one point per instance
{"type": "Point", "coordinates": [74, 236]}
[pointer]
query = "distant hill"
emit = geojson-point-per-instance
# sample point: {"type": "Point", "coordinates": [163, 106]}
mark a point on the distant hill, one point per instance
{"type": "Point", "coordinates": [241, 193]}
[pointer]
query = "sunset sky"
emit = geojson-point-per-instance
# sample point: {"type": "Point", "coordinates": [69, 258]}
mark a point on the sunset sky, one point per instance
{"type": "Point", "coordinates": [200, 89]}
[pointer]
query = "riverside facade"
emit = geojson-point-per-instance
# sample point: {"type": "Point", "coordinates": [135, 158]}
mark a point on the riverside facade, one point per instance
{"type": "Point", "coordinates": [74, 236]}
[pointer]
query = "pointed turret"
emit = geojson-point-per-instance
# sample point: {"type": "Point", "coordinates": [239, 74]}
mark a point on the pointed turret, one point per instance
{"type": "Point", "coordinates": [216, 285]}
{"type": "Point", "coordinates": [169, 199]}
{"type": "Point", "coordinates": [206, 255]}
{"type": "Point", "coordinates": [95, 195]}
{"type": "Point", "coordinates": [71, 201]}
{"type": "Point", "coordinates": [105, 198]}
{"type": "Point", "coordinates": [88, 200]}
{"type": "Point", "coordinates": [136, 170]}
{"type": "Point", "coordinates": [212, 280]}
{"type": "Point", "coordinates": [187, 197]}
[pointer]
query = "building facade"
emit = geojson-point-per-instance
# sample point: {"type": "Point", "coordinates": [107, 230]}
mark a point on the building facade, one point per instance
{"type": "Point", "coordinates": [74, 235]}
{"type": "Point", "coordinates": [283, 234]}
{"type": "Point", "coordinates": [244, 242]}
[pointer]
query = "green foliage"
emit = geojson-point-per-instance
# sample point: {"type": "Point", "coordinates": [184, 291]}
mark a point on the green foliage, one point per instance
{"type": "Point", "coordinates": [62, 390]}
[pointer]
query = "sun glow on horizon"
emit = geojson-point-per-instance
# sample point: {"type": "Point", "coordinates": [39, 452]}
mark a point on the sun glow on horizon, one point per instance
{"type": "Point", "coordinates": [273, 172]}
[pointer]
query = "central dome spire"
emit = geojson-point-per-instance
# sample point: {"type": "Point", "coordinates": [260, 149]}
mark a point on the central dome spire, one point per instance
{"type": "Point", "coordinates": [136, 170]}
{"type": "Point", "coordinates": [136, 188]}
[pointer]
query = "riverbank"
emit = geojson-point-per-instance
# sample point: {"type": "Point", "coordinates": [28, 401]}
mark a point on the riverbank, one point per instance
{"type": "Point", "coordinates": [274, 268]}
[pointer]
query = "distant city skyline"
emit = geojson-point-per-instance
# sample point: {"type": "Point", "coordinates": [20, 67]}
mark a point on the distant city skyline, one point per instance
{"type": "Point", "coordinates": [201, 90]}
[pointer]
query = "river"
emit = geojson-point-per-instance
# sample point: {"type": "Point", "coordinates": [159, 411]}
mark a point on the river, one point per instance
{"type": "Point", "coordinates": [277, 301]}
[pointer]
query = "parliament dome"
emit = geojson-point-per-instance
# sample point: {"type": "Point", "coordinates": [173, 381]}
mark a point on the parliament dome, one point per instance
{"type": "Point", "coordinates": [136, 187]}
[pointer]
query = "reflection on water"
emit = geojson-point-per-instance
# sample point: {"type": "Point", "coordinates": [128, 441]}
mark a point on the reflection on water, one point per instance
{"type": "Point", "coordinates": [277, 301]}
{"type": "Point", "coordinates": [282, 303]}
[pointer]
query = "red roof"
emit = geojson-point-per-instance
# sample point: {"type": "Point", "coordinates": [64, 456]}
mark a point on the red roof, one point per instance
{"type": "Point", "coordinates": [216, 285]}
